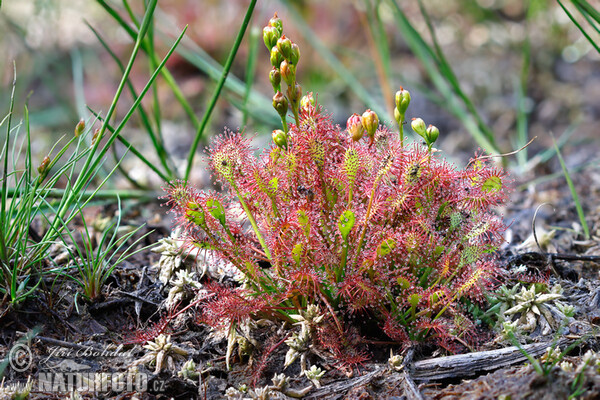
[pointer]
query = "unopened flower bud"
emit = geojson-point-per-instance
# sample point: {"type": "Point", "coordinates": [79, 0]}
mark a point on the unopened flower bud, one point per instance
{"type": "Point", "coordinates": [276, 57]}
{"type": "Point", "coordinates": [280, 104]}
{"type": "Point", "coordinates": [295, 54]}
{"type": "Point", "coordinates": [284, 45]}
{"type": "Point", "coordinates": [307, 100]}
{"type": "Point", "coordinates": [270, 36]}
{"type": "Point", "coordinates": [354, 127]}
{"type": "Point", "coordinates": [288, 72]}
{"type": "Point", "coordinates": [418, 125]}
{"type": "Point", "coordinates": [43, 168]}
{"type": "Point", "coordinates": [296, 94]}
{"type": "Point", "coordinates": [95, 136]}
{"type": "Point", "coordinates": [279, 138]}
{"type": "Point", "coordinates": [80, 127]}
{"type": "Point", "coordinates": [275, 78]}
{"type": "Point", "coordinates": [370, 121]}
{"type": "Point", "coordinates": [402, 100]}
{"type": "Point", "coordinates": [431, 134]}
{"type": "Point", "coordinates": [276, 23]}
{"type": "Point", "coordinates": [397, 115]}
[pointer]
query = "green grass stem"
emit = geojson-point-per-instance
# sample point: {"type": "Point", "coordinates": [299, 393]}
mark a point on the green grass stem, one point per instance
{"type": "Point", "coordinates": [580, 213]}
{"type": "Point", "coordinates": [218, 89]}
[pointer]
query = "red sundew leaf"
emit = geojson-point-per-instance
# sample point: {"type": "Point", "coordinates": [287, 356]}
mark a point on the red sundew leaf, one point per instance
{"type": "Point", "coordinates": [395, 331]}
{"type": "Point", "coordinates": [347, 348]}
{"type": "Point", "coordinates": [484, 185]}
{"type": "Point", "coordinates": [150, 332]}
{"type": "Point", "coordinates": [230, 157]}
{"type": "Point", "coordinates": [359, 293]}
{"type": "Point", "coordinates": [229, 305]}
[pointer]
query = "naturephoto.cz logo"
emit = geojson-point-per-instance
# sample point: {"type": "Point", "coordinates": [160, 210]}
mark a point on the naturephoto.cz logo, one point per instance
{"type": "Point", "coordinates": [65, 370]}
{"type": "Point", "coordinates": [130, 381]}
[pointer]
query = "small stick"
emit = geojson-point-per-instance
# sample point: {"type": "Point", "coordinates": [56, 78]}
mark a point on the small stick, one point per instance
{"type": "Point", "coordinates": [501, 155]}
{"type": "Point", "coordinates": [68, 345]}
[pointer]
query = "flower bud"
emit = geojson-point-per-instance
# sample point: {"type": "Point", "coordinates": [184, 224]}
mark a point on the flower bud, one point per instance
{"type": "Point", "coordinates": [402, 100]}
{"type": "Point", "coordinates": [279, 138]}
{"type": "Point", "coordinates": [284, 45]}
{"type": "Point", "coordinates": [397, 115]}
{"type": "Point", "coordinates": [276, 23]}
{"type": "Point", "coordinates": [295, 54]}
{"type": "Point", "coordinates": [275, 78]}
{"type": "Point", "coordinates": [280, 104]}
{"type": "Point", "coordinates": [296, 93]}
{"type": "Point", "coordinates": [288, 72]}
{"type": "Point", "coordinates": [354, 127]}
{"type": "Point", "coordinates": [80, 127]}
{"type": "Point", "coordinates": [370, 121]}
{"type": "Point", "coordinates": [276, 57]}
{"type": "Point", "coordinates": [96, 136]}
{"type": "Point", "coordinates": [431, 134]}
{"type": "Point", "coordinates": [43, 168]}
{"type": "Point", "coordinates": [418, 125]}
{"type": "Point", "coordinates": [307, 100]}
{"type": "Point", "coordinates": [270, 36]}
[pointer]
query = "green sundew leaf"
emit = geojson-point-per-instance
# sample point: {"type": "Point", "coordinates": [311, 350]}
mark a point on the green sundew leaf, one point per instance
{"type": "Point", "coordinates": [297, 252]}
{"type": "Point", "coordinates": [455, 220]}
{"type": "Point", "coordinates": [204, 245]}
{"type": "Point", "coordinates": [492, 184]}
{"type": "Point", "coordinates": [469, 255]}
{"type": "Point", "coordinates": [414, 299]}
{"type": "Point", "coordinates": [346, 223]}
{"type": "Point", "coordinates": [217, 210]}
{"type": "Point", "coordinates": [478, 230]}
{"type": "Point", "coordinates": [303, 221]}
{"type": "Point", "coordinates": [195, 214]}
{"type": "Point", "coordinates": [274, 184]}
{"type": "Point", "coordinates": [436, 297]}
{"type": "Point", "coordinates": [439, 250]}
{"type": "Point", "coordinates": [386, 247]}
{"type": "Point", "coordinates": [403, 283]}
{"type": "Point", "coordinates": [442, 210]}
{"type": "Point", "coordinates": [351, 163]}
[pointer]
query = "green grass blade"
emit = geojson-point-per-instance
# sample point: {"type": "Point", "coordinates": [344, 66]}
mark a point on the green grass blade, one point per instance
{"type": "Point", "coordinates": [157, 142]}
{"type": "Point", "coordinates": [578, 25]}
{"type": "Point", "coordinates": [250, 71]}
{"type": "Point", "coordinates": [580, 213]}
{"type": "Point", "coordinates": [92, 162]}
{"type": "Point", "coordinates": [164, 71]}
{"type": "Point", "coordinates": [450, 76]}
{"type": "Point", "coordinates": [589, 10]}
{"type": "Point", "coordinates": [217, 92]}
{"type": "Point", "coordinates": [589, 18]}
{"type": "Point", "coordinates": [521, 86]}
{"type": "Point", "coordinates": [3, 248]}
{"type": "Point", "coordinates": [78, 85]}
{"type": "Point", "coordinates": [258, 105]}
{"type": "Point", "coordinates": [136, 152]}
{"type": "Point", "coordinates": [429, 60]}
{"type": "Point", "coordinates": [136, 103]}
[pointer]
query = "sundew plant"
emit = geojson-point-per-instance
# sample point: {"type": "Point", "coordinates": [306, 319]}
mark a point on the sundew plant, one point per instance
{"type": "Point", "coordinates": [355, 221]}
